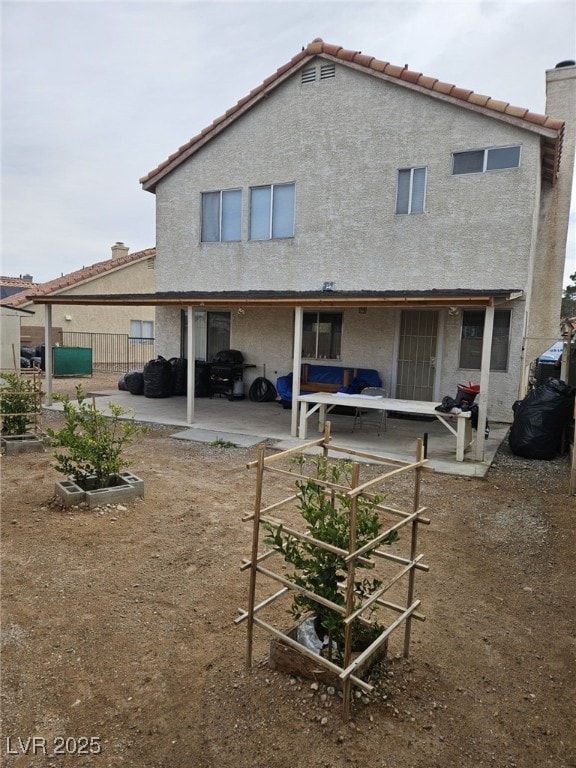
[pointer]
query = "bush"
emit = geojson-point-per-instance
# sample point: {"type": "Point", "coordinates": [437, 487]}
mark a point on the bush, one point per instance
{"type": "Point", "coordinates": [321, 571]}
{"type": "Point", "coordinates": [19, 404]}
{"type": "Point", "coordinates": [94, 443]}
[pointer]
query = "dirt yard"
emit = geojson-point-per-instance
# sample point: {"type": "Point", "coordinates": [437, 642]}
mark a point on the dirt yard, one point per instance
{"type": "Point", "coordinates": [119, 646]}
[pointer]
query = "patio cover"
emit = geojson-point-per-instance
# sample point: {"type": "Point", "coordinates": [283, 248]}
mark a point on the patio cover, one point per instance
{"type": "Point", "coordinates": [298, 300]}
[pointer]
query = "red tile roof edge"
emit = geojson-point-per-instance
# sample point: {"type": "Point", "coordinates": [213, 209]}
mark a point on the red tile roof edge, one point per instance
{"type": "Point", "coordinates": [7, 280]}
{"type": "Point", "coordinates": [79, 276]}
{"type": "Point", "coordinates": [402, 74]}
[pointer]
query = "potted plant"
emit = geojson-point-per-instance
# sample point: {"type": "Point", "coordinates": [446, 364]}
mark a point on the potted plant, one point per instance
{"type": "Point", "coordinates": [20, 405]}
{"type": "Point", "coordinates": [93, 457]}
{"type": "Point", "coordinates": [321, 571]}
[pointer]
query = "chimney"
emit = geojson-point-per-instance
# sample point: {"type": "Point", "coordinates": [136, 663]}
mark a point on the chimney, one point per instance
{"type": "Point", "coordinates": [119, 250]}
{"type": "Point", "coordinates": [561, 104]}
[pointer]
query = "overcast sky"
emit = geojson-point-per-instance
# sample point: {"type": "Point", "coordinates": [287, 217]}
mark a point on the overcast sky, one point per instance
{"type": "Point", "coordinates": [96, 94]}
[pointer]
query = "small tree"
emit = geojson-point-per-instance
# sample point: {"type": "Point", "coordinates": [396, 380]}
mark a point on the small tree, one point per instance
{"type": "Point", "coordinates": [19, 404]}
{"type": "Point", "coordinates": [94, 443]}
{"type": "Point", "coordinates": [569, 299]}
{"type": "Point", "coordinates": [320, 571]}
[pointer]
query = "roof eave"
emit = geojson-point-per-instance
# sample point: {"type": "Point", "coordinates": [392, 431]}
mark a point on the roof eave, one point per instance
{"type": "Point", "coordinates": [458, 298]}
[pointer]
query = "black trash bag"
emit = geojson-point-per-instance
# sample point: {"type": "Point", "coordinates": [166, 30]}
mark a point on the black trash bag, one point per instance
{"type": "Point", "coordinates": [446, 405]}
{"type": "Point", "coordinates": [179, 375]}
{"type": "Point", "coordinates": [28, 352]}
{"type": "Point", "coordinates": [122, 383]}
{"type": "Point", "coordinates": [158, 378]}
{"type": "Point", "coordinates": [539, 420]}
{"type": "Point", "coordinates": [262, 391]}
{"type": "Point", "coordinates": [133, 382]}
{"type": "Point", "coordinates": [24, 362]}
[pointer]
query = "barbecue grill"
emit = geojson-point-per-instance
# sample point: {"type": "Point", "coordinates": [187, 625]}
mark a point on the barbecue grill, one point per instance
{"type": "Point", "coordinates": [227, 374]}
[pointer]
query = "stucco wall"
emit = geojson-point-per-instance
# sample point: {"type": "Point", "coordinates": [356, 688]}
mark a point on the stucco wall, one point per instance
{"type": "Point", "coordinates": [9, 339]}
{"type": "Point", "coordinates": [550, 249]}
{"type": "Point", "coordinates": [341, 141]}
{"type": "Point", "coordinates": [264, 336]}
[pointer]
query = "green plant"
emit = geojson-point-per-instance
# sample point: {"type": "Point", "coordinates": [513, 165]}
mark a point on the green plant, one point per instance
{"type": "Point", "coordinates": [94, 443]}
{"type": "Point", "coordinates": [19, 404]}
{"type": "Point", "coordinates": [221, 443]}
{"type": "Point", "coordinates": [320, 571]}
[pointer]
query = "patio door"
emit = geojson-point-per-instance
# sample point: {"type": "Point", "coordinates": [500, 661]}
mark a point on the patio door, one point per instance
{"type": "Point", "coordinates": [212, 333]}
{"type": "Point", "coordinates": [417, 350]}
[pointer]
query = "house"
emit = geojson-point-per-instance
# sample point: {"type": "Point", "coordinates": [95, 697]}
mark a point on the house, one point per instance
{"type": "Point", "coordinates": [348, 211]}
{"type": "Point", "coordinates": [11, 285]}
{"type": "Point", "coordinates": [86, 324]}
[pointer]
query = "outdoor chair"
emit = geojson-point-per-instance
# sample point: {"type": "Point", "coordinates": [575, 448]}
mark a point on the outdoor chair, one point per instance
{"type": "Point", "coordinates": [363, 416]}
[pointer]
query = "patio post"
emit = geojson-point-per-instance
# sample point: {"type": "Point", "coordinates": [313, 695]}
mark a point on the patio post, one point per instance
{"type": "Point", "coordinates": [296, 369]}
{"type": "Point", "coordinates": [48, 352]}
{"type": "Point", "coordinates": [191, 365]}
{"type": "Point", "coordinates": [484, 381]}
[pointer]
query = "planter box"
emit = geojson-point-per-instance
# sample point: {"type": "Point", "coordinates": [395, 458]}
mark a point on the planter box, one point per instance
{"type": "Point", "coordinates": [23, 444]}
{"type": "Point", "coordinates": [128, 487]}
{"type": "Point", "coordinates": [285, 658]}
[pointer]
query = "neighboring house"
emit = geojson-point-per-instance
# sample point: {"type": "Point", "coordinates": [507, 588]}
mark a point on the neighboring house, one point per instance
{"type": "Point", "coordinates": [11, 285]}
{"type": "Point", "coordinates": [86, 324]}
{"type": "Point", "coordinates": [354, 212]}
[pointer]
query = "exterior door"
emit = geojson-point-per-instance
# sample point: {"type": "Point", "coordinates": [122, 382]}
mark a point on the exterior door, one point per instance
{"type": "Point", "coordinates": [417, 350]}
{"type": "Point", "coordinates": [212, 332]}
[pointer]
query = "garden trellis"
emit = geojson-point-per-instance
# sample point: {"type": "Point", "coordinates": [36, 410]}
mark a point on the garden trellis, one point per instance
{"type": "Point", "coordinates": [397, 569]}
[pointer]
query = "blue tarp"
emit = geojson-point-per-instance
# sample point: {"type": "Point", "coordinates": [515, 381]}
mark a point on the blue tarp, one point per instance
{"type": "Point", "coordinates": [552, 355]}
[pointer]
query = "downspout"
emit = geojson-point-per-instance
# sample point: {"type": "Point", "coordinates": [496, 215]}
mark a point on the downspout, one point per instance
{"type": "Point", "coordinates": [484, 381]}
{"type": "Point", "coordinates": [191, 366]}
{"type": "Point", "coordinates": [296, 365]}
{"type": "Point", "coordinates": [48, 352]}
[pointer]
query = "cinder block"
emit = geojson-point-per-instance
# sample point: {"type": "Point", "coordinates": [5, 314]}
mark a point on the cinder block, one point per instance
{"type": "Point", "coordinates": [129, 487]}
{"type": "Point", "coordinates": [14, 446]}
{"type": "Point", "coordinates": [70, 493]}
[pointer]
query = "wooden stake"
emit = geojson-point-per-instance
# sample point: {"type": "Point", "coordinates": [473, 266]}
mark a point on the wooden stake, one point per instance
{"type": "Point", "coordinates": [350, 591]}
{"type": "Point", "coordinates": [254, 557]}
{"type": "Point", "coordinates": [413, 545]}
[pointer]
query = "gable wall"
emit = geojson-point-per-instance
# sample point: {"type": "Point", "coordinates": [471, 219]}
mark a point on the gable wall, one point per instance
{"type": "Point", "coordinates": [99, 319]}
{"type": "Point", "coordinates": [342, 142]}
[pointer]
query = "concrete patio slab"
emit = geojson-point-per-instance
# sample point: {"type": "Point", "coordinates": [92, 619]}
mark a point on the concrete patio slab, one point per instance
{"type": "Point", "coordinates": [211, 436]}
{"type": "Point", "coordinates": [245, 424]}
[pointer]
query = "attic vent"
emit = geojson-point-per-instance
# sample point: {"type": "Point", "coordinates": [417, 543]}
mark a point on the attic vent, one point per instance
{"type": "Point", "coordinates": [150, 263]}
{"type": "Point", "coordinates": [327, 71]}
{"type": "Point", "coordinates": [308, 75]}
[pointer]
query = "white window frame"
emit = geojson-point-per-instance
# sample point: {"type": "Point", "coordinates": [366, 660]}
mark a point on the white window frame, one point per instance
{"type": "Point", "coordinates": [272, 212]}
{"type": "Point", "coordinates": [141, 326]}
{"type": "Point", "coordinates": [319, 319]}
{"type": "Point", "coordinates": [221, 212]}
{"type": "Point", "coordinates": [485, 160]}
{"type": "Point", "coordinates": [410, 207]}
{"type": "Point", "coordinates": [500, 342]}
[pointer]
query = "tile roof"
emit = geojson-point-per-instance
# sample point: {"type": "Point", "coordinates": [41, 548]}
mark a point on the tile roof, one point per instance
{"type": "Point", "coordinates": [550, 128]}
{"type": "Point", "coordinates": [60, 284]}
{"type": "Point", "coordinates": [18, 282]}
